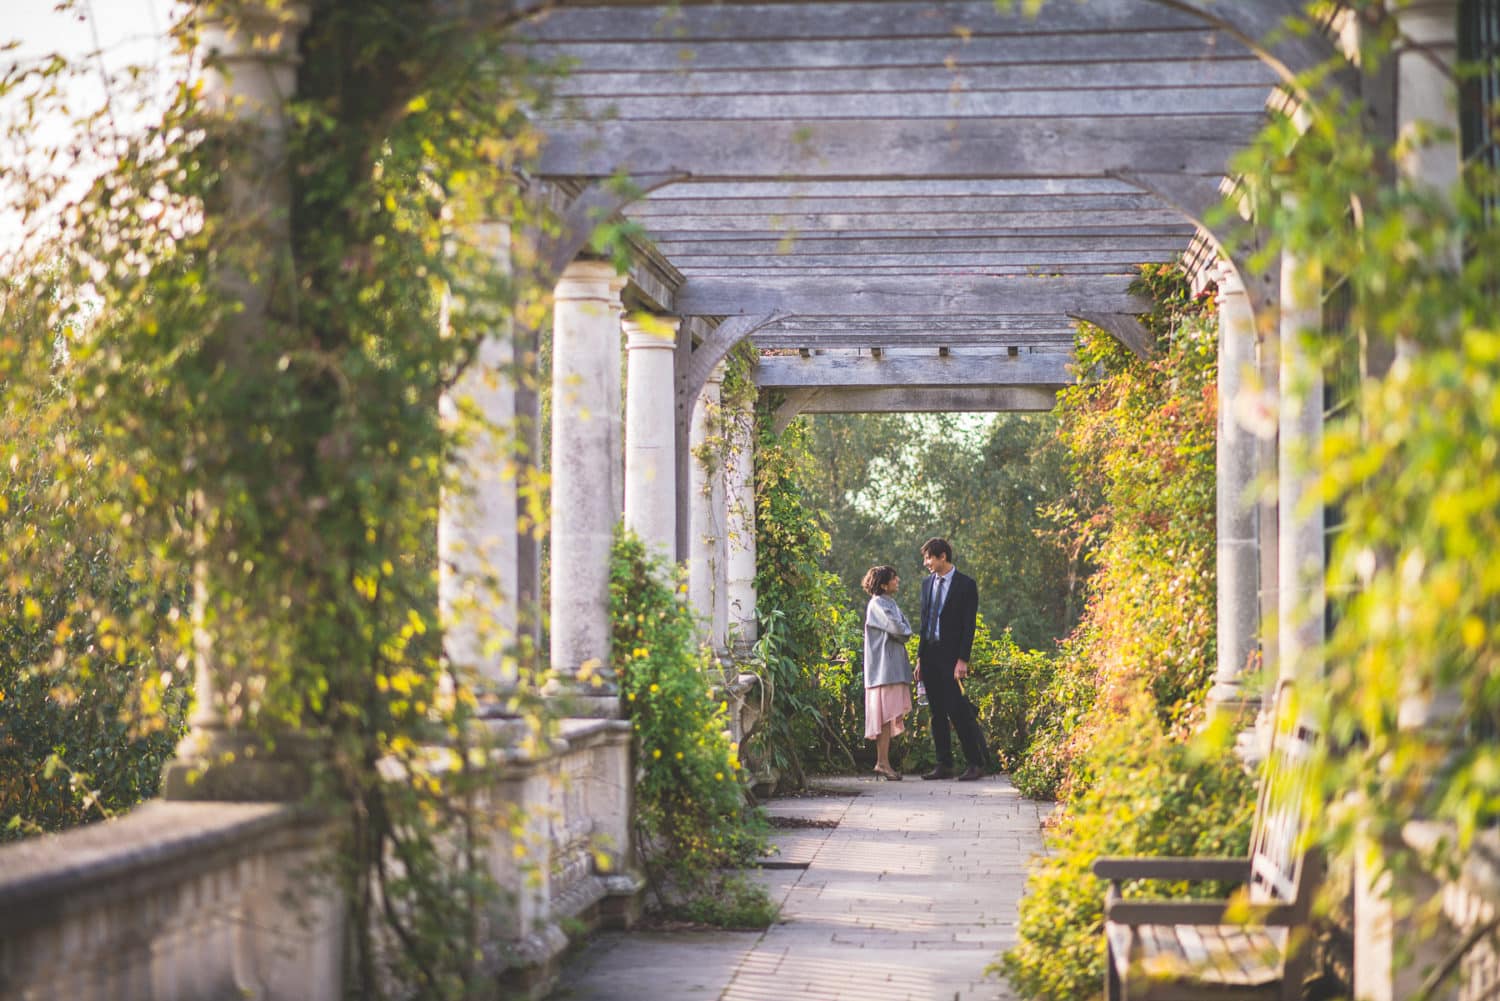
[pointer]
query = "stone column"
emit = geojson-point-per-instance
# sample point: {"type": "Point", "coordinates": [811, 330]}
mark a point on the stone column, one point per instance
{"type": "Point", "coordinates": [585, 363]}
{"type": "Point", "coordinates": [706, 550]}
{"type": "Point", "coordinates": [1235, 456]}
{"type": "Point", "coordinates": [1426, 94]}
{"type": "Point", "coordinates": [1428, 125]}
{"type": "Point", "coordinates": [1427, 118]}
{"type": "Point", "coordinates": [478, 575]}
{"type": "Point", "coordinates": [249, 71]}
{"type": "Point", "coordinates": [1300, 427]}
{"type": "Point", "coordinates": [650, 438]}
{"type": "Point", "coordinates": [739, 489]}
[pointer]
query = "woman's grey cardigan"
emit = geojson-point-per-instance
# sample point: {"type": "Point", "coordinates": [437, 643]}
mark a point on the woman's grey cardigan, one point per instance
{"type": "Point", "coordinates": [886, 632]}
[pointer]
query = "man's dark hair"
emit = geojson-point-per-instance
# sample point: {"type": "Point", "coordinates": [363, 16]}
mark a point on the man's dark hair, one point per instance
{"type": "Point", "coordinates": [877, 578]}
{"type": "Point", "coordinates": [938, 547]}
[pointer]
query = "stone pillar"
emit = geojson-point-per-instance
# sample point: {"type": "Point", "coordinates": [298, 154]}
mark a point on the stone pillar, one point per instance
{"type": "Point", "coordinates": [478, 575]}
{"type": "Point", "coordinates": [1427, 120]}
{"type": "Point", "coordinates": [249, 70]}
{"type": "Point", "coordinates": [1300, 561]}
{"type": "Point", "coordinates": [1428, 127]}
{"type": "Point", "coordinates": [650, 438]}
{"type": "Point", "coordinates": [585, 363]}
{"type": "Point", "coordinates": [739, 490]}
{"type": "Point", "coordinates": [706, 549]}
{"type": "Point", "coordinates": [1235, 456]}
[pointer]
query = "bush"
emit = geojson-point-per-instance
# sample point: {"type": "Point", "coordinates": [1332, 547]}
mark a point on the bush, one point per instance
{"type": "Point", "coordinates": [1154, 795]}
{"type": "Point", "coordinates": [1007, 685]}
{"type": "Point", "coordinates": [87, 718]}
{"type": "Point", "coordinates": [810, 639]}
{"type": "Point", "coordinates": [1058, 709]}
{"type": "Point", "coordinates": [690, 812]}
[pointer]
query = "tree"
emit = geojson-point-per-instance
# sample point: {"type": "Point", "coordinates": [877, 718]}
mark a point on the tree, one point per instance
{"type": "Point", "coordinates": [889, 482]}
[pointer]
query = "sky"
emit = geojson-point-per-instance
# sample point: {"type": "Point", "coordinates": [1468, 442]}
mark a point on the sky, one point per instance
{"type": "Point", "coordinates": [126, 30]}
{"type": "Point", "coordinates": [105, 36]}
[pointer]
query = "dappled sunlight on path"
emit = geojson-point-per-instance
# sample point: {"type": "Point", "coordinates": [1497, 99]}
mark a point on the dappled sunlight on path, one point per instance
{"type": "Point", "coordinates": [909, 898]}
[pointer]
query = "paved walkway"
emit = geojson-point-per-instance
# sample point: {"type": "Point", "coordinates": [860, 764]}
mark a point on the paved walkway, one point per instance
{"type": "Point", "coordinates": [911, 896]}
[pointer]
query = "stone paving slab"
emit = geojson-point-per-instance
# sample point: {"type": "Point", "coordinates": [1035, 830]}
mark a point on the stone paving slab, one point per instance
{"type": "Point", "coordinates": [909, 898]}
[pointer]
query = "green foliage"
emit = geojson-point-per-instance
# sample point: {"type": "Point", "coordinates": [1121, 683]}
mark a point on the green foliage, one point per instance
{"type": "Point", "coordinates": [810, 639]}
{"type": "Point", "coordinates": [1130, 677]}
{"type": "Point", "coordinates": [1056, 711]}
{"type": "Point", "coordinates": [1006, 684]}
{"type": "Point", "coordinates": [255, 398]}
{"type": "Point", "coordinates": [1154, 795]}
{"type": "Point", "coordinates": [1409, 470]}
{"type": "Point", "coordinates": [691, 817]}
{"type": "Point", "coordinates": [1143, 436]}
{"type": "Point", "coordinates": [889, 481]}
{"type": "Point", "coordinates": [81, 736]}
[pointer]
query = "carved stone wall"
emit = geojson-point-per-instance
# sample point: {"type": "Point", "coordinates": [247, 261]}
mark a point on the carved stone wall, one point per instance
{"type": "Point", "coordinates": [182, 901]}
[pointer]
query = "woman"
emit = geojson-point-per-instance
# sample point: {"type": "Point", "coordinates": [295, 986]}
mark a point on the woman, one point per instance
{"type": "Point", "coordinates": [887, 669]}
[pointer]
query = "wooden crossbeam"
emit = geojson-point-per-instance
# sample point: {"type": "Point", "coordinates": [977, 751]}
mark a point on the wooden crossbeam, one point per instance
{"type": "Point", "coordinates": [1227, 70]}
{"type": "Point", "coordinates": [853, 219]}
{"type": "Point", "coordinates": [941, 103]}
{"type": "Point", "coordinates": [863, 371]}
{"type": "Point", "coordinates": [907, 147]}
{"type": "Point", "coordinates": [927, 295]}
{"type": "Point", "coordinates": [962, 399]}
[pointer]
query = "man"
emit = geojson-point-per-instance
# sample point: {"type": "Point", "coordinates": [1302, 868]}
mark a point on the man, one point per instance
{"type": "Point", "coordinates": [950, 604]}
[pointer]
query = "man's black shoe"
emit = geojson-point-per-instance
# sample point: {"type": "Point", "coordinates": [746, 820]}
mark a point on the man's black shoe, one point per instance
{"type": "Point", "coordinates": [939, 773]}
{"type": "Point", "coordinates": [970, 774]}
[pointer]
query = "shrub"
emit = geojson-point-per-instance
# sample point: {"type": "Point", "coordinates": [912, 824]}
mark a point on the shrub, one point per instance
{"type": "Point", "coordinates": [1058, 709]}
{"type": "Point", "coordinates": [1007, 685]}
{"type": "Point", "coordinates": [1154, 795]}
{"type": "Point", "coordinates": [690, 812]}
{"type": "Point", "coordinates": [87, 718]}
{"type": "Point", "coordinates": [810, 639]}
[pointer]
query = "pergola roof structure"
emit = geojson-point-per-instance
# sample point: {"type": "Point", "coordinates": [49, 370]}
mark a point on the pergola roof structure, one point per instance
{"type": "Point", "coordinates": [890, 177]}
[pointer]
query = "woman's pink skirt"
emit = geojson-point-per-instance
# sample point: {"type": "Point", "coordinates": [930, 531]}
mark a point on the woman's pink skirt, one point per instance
{"type": "Point", "coordinates": [886, 704]}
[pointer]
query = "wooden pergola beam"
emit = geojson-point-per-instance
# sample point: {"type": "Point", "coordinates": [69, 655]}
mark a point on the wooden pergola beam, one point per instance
{"type": "Point", "coordinates": [865, 372]}
{"type": "Point", "coordinates": [962, 399]}
{"type": "Point", "coordinates": [908, 147]}
{"type": "Point", "coordinates": [931, 295]}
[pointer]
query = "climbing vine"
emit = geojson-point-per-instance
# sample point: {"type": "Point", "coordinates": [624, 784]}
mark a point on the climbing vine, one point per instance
{"type": "Point", "coordinates": [810, 640]}
{"type": "Point", "coordinates": [293, 465]}
{"type": "Point", "coordinates": [1408, 470]}
{"type": "Point", "coordinates": [691, 817]}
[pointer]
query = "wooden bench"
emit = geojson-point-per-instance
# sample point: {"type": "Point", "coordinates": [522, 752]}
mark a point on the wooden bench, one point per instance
{"type": "Point", "coordinates": [1254, 946]}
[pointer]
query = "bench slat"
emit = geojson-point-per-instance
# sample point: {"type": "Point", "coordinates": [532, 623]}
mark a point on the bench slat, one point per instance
{"type": "Point", "coordinates": [1243, 962]}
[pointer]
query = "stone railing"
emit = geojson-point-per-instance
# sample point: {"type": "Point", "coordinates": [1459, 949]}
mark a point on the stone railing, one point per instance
{"type": "Point", "coordinates": [1470, 901]}
{"type": "Point", "coordinates": [174, 901]}
{"type": "Point", "coordinates": [181, 900]}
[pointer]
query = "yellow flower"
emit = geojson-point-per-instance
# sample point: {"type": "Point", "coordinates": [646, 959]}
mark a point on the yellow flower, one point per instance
{"type": "Point", "coordinates": [679, 755]}
{"type": "Point", "coordinates": [656, 753]}
{"type": "Point", "coordinates": [655, 687]}
{"type": "Point", "coordinates": [630, 697]}
{"type": "Point", "coordinates": [719, 776]}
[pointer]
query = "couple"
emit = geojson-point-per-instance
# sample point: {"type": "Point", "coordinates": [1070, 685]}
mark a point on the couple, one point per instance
{"type": "Point", "coordinates": [950, 602]}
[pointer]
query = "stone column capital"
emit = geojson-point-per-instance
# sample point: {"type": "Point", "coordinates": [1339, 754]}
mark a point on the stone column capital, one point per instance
{"type": "Point", "coordinates": [583, 281]}
{"type": "Point", "coordinates": [714, 381]}
{"type": "Point", "coordinates": [657, 333]}
{"type": "Point", "coordinates": [1427, 21]}
{"type": "Point", "coordinates": [263, 33]}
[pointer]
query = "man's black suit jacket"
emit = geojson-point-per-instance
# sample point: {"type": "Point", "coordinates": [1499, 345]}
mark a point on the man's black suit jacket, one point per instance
{"type": "Point", "coordinates": [956, 632]}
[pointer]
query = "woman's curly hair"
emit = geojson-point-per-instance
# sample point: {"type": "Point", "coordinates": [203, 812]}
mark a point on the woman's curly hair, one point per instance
{"type": "Point", "coordinates": [876, 578]}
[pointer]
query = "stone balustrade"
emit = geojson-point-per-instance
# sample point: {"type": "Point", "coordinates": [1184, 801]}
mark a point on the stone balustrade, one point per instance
{"type": "Point", "coordinates": [173, 901]}
{"type": "Point", "coordinates": [201, 900]}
